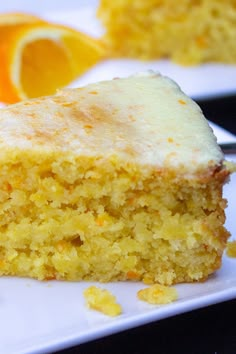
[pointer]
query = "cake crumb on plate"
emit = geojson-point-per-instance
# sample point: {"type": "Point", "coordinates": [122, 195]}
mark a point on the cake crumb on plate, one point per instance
{"type": "Point", "coordinates": [158, 294]}
{"type": "Point", "coordinates": [102, 300]}
{"type": "Point", "coordinates": [231, 249]}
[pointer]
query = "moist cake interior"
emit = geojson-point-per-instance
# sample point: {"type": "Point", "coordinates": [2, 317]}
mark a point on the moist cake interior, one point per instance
{"type": "Point", "coordinates": [76, 218]}
{"type": "Point", "coordinates": [120, 180]}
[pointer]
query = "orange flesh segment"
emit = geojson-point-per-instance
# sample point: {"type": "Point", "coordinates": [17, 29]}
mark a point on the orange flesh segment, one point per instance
{"type": "Point", "coordinates": [50, 56]}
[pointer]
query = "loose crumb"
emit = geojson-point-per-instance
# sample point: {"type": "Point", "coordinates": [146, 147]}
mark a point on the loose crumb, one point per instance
{"type": "Point", "coordinates": [102, 300]}
{"type": "Point", "coordinates": [231, 249]}
{"type": "Point", "coordinates": [158, 294]}
{"type": "Point", "coordinates": [231, 166]}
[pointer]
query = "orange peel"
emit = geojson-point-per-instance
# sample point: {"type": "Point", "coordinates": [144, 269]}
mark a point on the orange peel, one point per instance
{"type": "Point", "coordinates": [37, 57]}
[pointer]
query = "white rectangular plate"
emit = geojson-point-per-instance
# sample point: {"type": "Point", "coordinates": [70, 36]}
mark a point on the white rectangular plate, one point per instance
{"type": "Point", "coordinates": [199, 82]}
{"type": "Point", "coordinates": [40, 317]}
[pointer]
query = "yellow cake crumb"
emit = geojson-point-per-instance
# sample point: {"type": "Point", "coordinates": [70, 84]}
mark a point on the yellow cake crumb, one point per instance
{"type": "Point", "coordinates": [158, 294]}
{"type": "Point", "coordinates": [231, 166]}
{"type": "Point", "coordinates": [102, 300]}
{"type": "Point", "coordinates": [231, 249]}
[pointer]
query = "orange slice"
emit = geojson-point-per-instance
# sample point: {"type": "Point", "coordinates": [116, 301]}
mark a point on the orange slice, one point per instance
{"type": "Point", "coordinates": [37, 58]}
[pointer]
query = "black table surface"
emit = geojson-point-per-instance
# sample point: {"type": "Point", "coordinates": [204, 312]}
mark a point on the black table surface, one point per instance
{"type": "Point", "coordinates": [211, 330]}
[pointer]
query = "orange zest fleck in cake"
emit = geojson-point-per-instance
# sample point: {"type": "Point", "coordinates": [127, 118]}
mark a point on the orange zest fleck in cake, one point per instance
{"type": "Point", "coordinates": [86, 193]}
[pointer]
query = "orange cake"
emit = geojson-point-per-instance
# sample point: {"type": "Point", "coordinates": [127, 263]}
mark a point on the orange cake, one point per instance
{"type": "Point", "coordinates": [118, 180]}
{"type": "Point", "coordinates": [188, 32]}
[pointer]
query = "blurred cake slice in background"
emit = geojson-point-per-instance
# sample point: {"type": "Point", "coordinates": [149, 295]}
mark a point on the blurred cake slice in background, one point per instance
{"type": "Point", "coordinates": [188, 32]}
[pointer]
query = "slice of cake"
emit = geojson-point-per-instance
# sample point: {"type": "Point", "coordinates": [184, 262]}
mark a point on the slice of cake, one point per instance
{"type": "Point", "coordinates": [119, 180]}
{"type": "Point", "coordinates": [188, 32]}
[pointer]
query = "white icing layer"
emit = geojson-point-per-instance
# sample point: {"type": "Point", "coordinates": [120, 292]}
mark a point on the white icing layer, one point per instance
{"type": "Point", "coordinates": [145, 118]}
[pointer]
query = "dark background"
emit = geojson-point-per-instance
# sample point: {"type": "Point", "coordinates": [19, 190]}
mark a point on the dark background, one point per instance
{"type": "Point", "coordinates": [221, 111]}
{"type": "Point", "coordinates": [211, 330]}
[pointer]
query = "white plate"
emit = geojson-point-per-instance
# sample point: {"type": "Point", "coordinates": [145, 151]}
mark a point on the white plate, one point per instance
{"type": "Point", "coordinates": [40, 317]}
{"type": "Point", "coordinates": [199, 82]}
